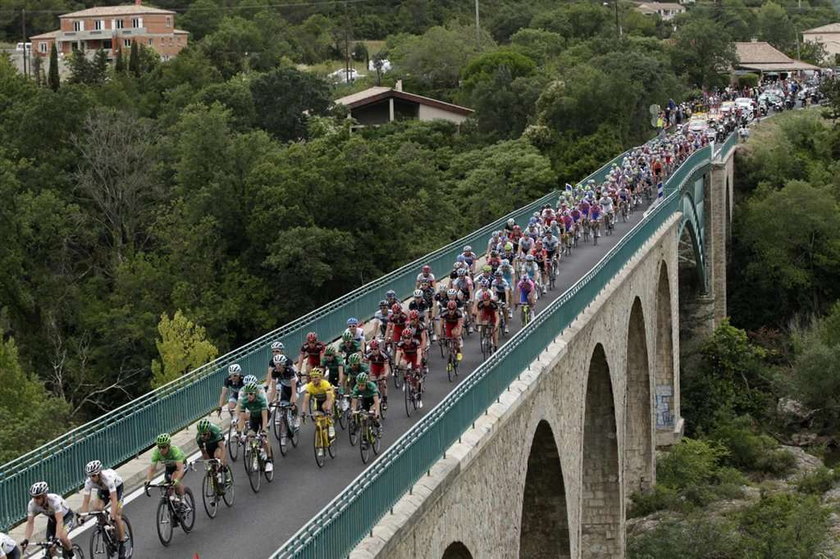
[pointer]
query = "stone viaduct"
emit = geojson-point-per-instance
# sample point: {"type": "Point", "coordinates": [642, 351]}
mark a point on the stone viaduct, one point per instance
{"type": "Point", "coordinates": [548, 470]}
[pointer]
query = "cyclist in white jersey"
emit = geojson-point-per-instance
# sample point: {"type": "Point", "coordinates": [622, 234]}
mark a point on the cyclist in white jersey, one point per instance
{"type": "Point", "coordinates": [109, 489]}
{"type": "Point", "coordinates": [59, 517]}
{"type": "Point", "coordinates": [8, 548]}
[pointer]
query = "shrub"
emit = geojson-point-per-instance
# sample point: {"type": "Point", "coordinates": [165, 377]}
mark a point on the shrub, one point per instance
{"type": "Point", "coordinates": [657, 498]}
{"type": "Point", "coordinates": [748, 80]}
{"type": "Point", "coordinates": [696, 537]}
{"type": "Point", "coordinates": [750, 451]}
{"type": "Point", "coordinates": [691, 462]}
{"type": "Point", "coordinates": [818, 482]}
{"type": "Point", "coordinates": [785, 525]}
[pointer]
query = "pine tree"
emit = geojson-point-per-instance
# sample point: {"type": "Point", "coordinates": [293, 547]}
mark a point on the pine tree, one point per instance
{"type": "Point", "coordinates": [134, 60]}
{"type": "Point", "coordinates": [53, 80]}
{"type": "Point", "coordinates": [119, 63]}
{"type": "Point", "coordinates": [99, 68]}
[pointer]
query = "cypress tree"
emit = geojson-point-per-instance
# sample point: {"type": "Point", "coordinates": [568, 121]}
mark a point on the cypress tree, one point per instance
{"type": "Point", "coordinates": [52, 79]}
{"type": "Point", "coordinates": [119, 63]}
{"type": "Point", "coordinates": [134, 60]}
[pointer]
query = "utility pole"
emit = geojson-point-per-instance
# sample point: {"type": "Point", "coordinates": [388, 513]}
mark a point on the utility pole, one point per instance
{"type": "Point", "coordinates": [477, 27]}
{"type": "Point", "coordinates": [23, 29]}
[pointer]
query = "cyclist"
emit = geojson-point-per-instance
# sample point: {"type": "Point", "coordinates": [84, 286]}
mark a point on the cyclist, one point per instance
{"type": "Point", "coordinates": [396, 324]}
{"type": "Point", "coordinates": [464, 287]}
{"type": "Point", "coordinates": [59, 517]}
{"type": "Point", "coordinates": [310, 353]}
{"type": "Point", "coordinates": [410, 355]}
{"type": "Point", "coordinates": [391, 298]}
{"type": "Point", "coordinates": [174, 461]}
{"type": "Point", "coordinates": [357, 332]}
{"type": "Point", "coordinates": [284, 374]}
{"type": "Point", "coordinates": [420, 305]}
{"type": "Point", "coordinates": [550, 243]}
{"type": "Point", "coordinates": [428, 291]}
{"type": "Point", "coordinates": [211, 441]}
{"type": "Point", "coordinates": [277, 348]}
{"type": "Point", "coordinates": [540, 260]}
{"type": "Point", "coordinates": [366, 395]}
{"type": "Point", "coordinates": [233, 384]}
{"type": "Point", "coordinates": [453, 322]}
{"type": "Point", "coordinates": [469, 257]}
{"type": "Point", "coordinates": [595, 211]}
{"type": "Point", "coordinates": [348, 345]}
{"type": "Point", "coordinates": [526, 289]}
{"type": "Point", "coordinates": [530, 269]}
{"type": "Point", "coordinates": [256, 405]}
{"type": "Point", "coordinates": [380, 317]}
{"type": "Point", "coordinates": [606, 203]}
{"type": "Point", "coordinates": [322, 392]}
{"type": "Point", "coordinates": [488, 315]}
{"type": "Point", "coordinates": [109, 488]}
{"type": "Point", "coordinates": [501, 290]}
{"type": "Point", "coordinates": [418, 326]}
{"type": "Point", "coordinates": [425, 276]}
{"type": "Point", "coordinates": [8, 548]}
{"type": "Point", "coordinates": [380, 365]}
{"type": "Point", "coordinates": [333, 367]}
{"type": "Point", "coordinates": [355, 366]}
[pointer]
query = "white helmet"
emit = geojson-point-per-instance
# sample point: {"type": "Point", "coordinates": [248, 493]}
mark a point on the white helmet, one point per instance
{"type": "Point", "coordinates": [93, 467]}
{"type": "Point", "coordinates": [279, 360]}
{"type": "Point", "coordinates": [249, 379]}
{"type": "Point", "coordinates": [278, 345]}
{"type": "Point", "coordinates": [418, 293]}
{"type": "Point", "coordinates": [39, 488]}
{"type": "Point", "coordinates": [235, 369]}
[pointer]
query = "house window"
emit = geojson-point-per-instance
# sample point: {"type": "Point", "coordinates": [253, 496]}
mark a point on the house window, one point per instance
{"type": "Point", "coordinates": [119, 24]}
{"type": "Point", "coordinates": [42, 47]}
{"type": "Point", "coordinates": [150, 42]}
{"type": "Point", "coordinates": [135, 22]}
{"type": "Point", "coordinates": [78, 25]}
{"type": "Point", "coordinates": [169, 21]}
{"type": "Point", "coordinates": [99, 24]}
{"type": "Point", "coordinates": [127, 42]}
{"type": "Point", "coordinates": [106, 44]}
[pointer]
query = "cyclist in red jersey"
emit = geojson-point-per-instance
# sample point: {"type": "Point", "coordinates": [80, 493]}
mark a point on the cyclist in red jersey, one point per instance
{"type": "Point", "coordinates": [311, 353]}
{"type": "Point", "coordinates": [380, 367]}
{"type": "Point", "coordinates": [410, 355]}
{"type": "Point", "coordinates": [396, 323]}
{"type": "Point", "coordinates": [416, 323]}
{"type": "Point", "coordinates": [488, 315]}
{"type": "Point", "coordinates": [453, 322]}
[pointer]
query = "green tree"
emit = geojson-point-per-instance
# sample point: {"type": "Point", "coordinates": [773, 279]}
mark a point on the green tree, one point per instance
{"type": "Point", "coordinates": [99, 67]}
{"type": "Point", "coordinates": [134, 60]}
{"type": "Point", "coordinates": [704, 53]}
{"type": "Point", "coordinates": [786, 525]}
{"type": "Point", "coordinates": [285, 97]}
{"type": "Point", "coordinates": [119, 62]}
{"type": "Point", "coordinates": [182, 346]}
{"type": "Point", "coordinates": [52, 78]}
{"type": "Point", "coordinates": [775, 27]}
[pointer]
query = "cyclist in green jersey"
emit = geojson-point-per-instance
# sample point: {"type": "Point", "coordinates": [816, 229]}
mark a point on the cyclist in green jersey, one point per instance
{"type": "Point", "coordinates": [355, 366]}
{"type": "Point", "coordinates": [366, 395]}
{"type": "Point", "coordinates": [348, 345]}
{"type": "Point", "coordinates": [333, 367]}
{"type": "Point", "coordinates": [173, 459]}
{"type": "Point", "coordinates": [256, 404]}
{"type": "Point", "coordinates": [211, 441]}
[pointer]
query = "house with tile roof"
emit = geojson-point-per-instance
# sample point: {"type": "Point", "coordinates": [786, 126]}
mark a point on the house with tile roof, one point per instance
{"type": "Point", "coordinates": [829, 37]}
{"type": "Point", "coordinates": [762, 57]}
{"type": "Point", "coordinates": [114, 29]}
{"type": "Point", "coordinates": [379, 105]}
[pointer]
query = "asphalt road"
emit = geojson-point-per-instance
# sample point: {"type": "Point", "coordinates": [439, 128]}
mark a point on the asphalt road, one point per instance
{"type": "Point", "coordinates": [260, 523]}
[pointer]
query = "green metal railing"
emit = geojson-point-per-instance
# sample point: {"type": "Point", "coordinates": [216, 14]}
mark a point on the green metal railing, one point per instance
{"type": "Point", "coordinates": [121, 434]}
{"type": "Point", "coordinates": [344, 522]}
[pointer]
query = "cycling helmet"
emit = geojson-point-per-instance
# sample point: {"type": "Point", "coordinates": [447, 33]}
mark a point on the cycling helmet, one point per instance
{"type": "Point", "coordinates": [235, 369]}
{"type": "Point", "coordinates": [252, 387]}
{"type": "Point", "coordinates": [485, 296]}
{"type": "Point", "coordinates": [413, 315]}
{"type": "Point", "coordinates": [468, 248]}
{"type": "Point", "coordinates": [316, 373]}
{"type": "Point", "coordinates": [390, 294]}
{"type": "Point", "coordinates": [511, 222]}
{"type": "Point", "coordinates": [346, 336]}
{"type": "Point", "coordinates": [451, 292]}
{"type": "Point", "coordinates": [485, 282]}
{"type": "Point", "coordinates": [361, 378]}
{"type": "Point", "coordinates": [249, 379]}
{"type": "Point", "coordinates": [163, 439]}
{"type": "Point", "coordinates": [354, 359]}
{"type": "Point", "coordinates": [396, 308]}
{"type": "Point", "coordinates": [427, 269]}
{"type": "Point", "coordinates": [508, 247]}
{"type": "Point", "coordinates": [352, 321]}
{"type": "Point", "coordinates": [517, 228]}
{"type": "Point", "coordinates": [93, 467]}
{"type": "Point", "coordinates": [278, 346]}
{"type": "Point", "coordinates": [418, 293]}
{"type": "Point", "coordinates": [407, 333]}
{"type": "Point", "coordinates": [374, 344]}
{"type": "Point", "coordinates": [460, 258]}
{"type": "Point", "coordinates": [462, 272]}
{"type": "Point", "coordinates": [451, 305]}
{"type": "Point", "coordinates": [498, 273]}
{"type": "Point", "coordinates": [312, 337]}
{"type": "Point", "coordinates": [383, 303]}
{"type": "Point", "coordinates": [203, 425]}
{"type": "Point", "coordinates": [529, 258]}
{"type": "Point", "coordinates": [486, 268]}
{"type": "Point", "coordinates": [279, 360]}
{"type": "Point", "coordinates": [329, 350]}
{"type": "Point", "coordinates": [39, 488]}
{"type": "Point", "coordinates": [494, 253]}
{"type": "Point", "coordinates": [532, 221]}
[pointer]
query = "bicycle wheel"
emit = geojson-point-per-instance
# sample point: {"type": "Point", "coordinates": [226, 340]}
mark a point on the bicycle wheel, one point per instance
{"type": "Point", "coordinates": [128, 533]}
{"type": "Point", "coordinates": [269, 476]}
{"type": "Point", "coordinates": [353, 431]}
{"type": "Point", "coordinates": [98, 548]}
{"type": "Point", "coordinates": [164, 522]}
{"type": "Point", "coordinates": [398, 380]}
{"type": "Point", "coordinates": [229, 495]}
{"type": "Point", "coordinates": [233, 444]}
{"type": "Point", "coordinates": [320, 452]}
{"type": "Point", "coordinates": [342, 414]}
{"type": "Point", "coordinates": [377, 440]}
{"type": "Point", "coordinates": [331, 448]}
{"type": "Point", "coordinates": [441, 343]}
{"type": "Point", "coordinates": [450, 367]}
{"type": "Point", "coordinates": [208, 495]}
{"type": "Point", "coordinates": [276, 422]}
{"type": "Point", "coordinates": [364, 444]}
{"type": "Point", "coordinates": [252, 467]}
{"type": "Point", "coordinates": [188, 511]}
{"type": "Point", "coordinates": [408, 396]}
{"type": "Point", "coordinates": [283, 438]}
{"type": "Point", "coordinates": [77, 551]}
{"type": "Point", "coordinates": [294, 431]}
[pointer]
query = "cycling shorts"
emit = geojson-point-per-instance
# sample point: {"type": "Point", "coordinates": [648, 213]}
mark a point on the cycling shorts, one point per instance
{"type": "Point", "coordinates": [448, 327]}
{"type": "Point", "coordinates": [210, 447]}
{"type": "Point", "coordinates": [523, 296]}
{"type": "Point", "coordinates": [413, 359]}
{"type": "Point", "coordinates": [366, 403]}
{"type": "Point", "coordinates": [104, 495]}
{"type": "Point", "coordinates": [234, 396]}
{"type": "Point", "coordinates": [488, 316]}
{"type": "Point", "coordinates": [377, 370]}
{"type": "Point", "coordinates": [69, 524]}
{"type": "Point", "coordinates": [255, 422]}
{"type": "Point", "coordinates": [285, 393]}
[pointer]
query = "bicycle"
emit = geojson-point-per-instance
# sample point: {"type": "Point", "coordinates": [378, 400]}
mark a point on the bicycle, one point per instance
{"type": "Point", "coordinates": [382, 384]}
{"type": "Point", "coordinates": [341, 410]}
{"type": "Point", "coordinates": [486, 341]}
{"type": "Point", "coordinates": [595, 226]}
{"type": "Point", "coordinates": [552, 273]}
{"type": "Point", "coordinates": [254, 461]}
{"type": "Point", "coordinates": [233, 435]}
{"type": "Point", "coordinates": [525, 314]}
{"type": "Point", "coordinates": [371, 437]}
{"type": "Point", "coordinates": [285, 430]}
{"type": "Point", "coordinates": [452, 359]}
{"type": "Point", "coordinates": [52, 545]}
{"type": "Point", "coordinates": [609, 224]}
{"type": "Point", "coordinates": [217, 485]}
{"type": "Point", "coordinates": [413, 390]}
{"type": "Point", "coordinates": [322, 438]}
{"type": "Point", "coordinates": [172, 512]}
{"type": "Point", "coordinates": [104, 541]}
{"type": "Point", "coordinates": [625, 210]}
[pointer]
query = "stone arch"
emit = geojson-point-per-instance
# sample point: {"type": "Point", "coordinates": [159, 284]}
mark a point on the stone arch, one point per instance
{"type": "Point", "coordinates": [638, 447]}
{"type": "Point", "coordinates": [602, 532]}
{"type": "Point", "coordinates": [544, 528]}
{"type": "Point", "coordinates": [691, 265]}
{"type": "Point", "coordinates": [664, 380]}
{"type": "Point", "coordinates": [457, 550]}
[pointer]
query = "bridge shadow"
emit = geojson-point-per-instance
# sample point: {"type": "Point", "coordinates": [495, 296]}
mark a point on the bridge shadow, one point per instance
{"type": "Point", "coordinates": [601, 530]}
{"type": "Point", "coordinates": [457, 550]}
{"type": "Point", "coordinates": [545, 523]}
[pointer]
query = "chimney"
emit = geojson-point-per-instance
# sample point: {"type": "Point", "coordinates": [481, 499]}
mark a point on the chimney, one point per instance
{"type": "Point", "coordinates": [398, 85]}
{"type": "Point", "coordinates": [138, 2]}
